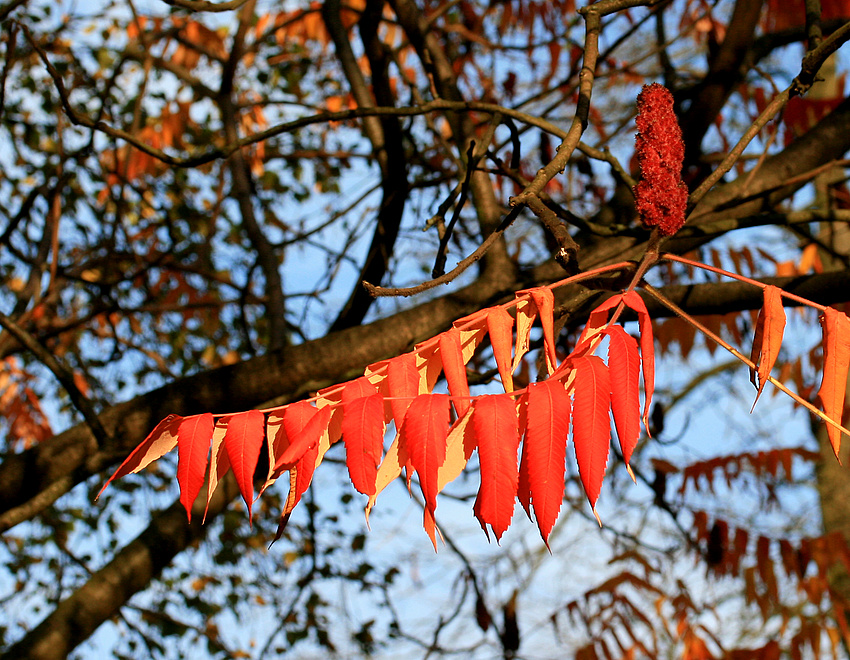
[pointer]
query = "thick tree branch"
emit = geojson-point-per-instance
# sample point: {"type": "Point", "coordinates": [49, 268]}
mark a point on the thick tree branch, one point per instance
{"type": "Point", "coordinates": [73, 456]}
{"type": "Point", "coordinates": [130, 571]}
{"type": "Point", "coordinates": [339, 355]}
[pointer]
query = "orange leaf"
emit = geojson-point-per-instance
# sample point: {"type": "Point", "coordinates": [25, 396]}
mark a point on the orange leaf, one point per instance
{"type": "Point", "coordinates": [454, 368]}
{"type": "Point", "coordinates": [303, 425]}
{"type": "Point", "coordinates": [544, 450]}
{"type": "Point", "coordinates": [544, 299]}
{"type": "Point", "coordinates": [591, 424]}
{"type": "Point", "coordinates": [836, 360]}
{"type": "Point", "coordinates": [460, 443]}
{"type": "Point", "coordinates": [624, 365]}
{"type": "Point", "coordinates": [500, 325]}
{"type": "Point", "coordinates": [243, 441]}
{"type": "Point", "coordinates": [277, 444]}
{"type": "Point", "coordinates": [300, 476]}
{"type": "Point", "coordinates": [159, 442]}
{"type": "Point", "coordinates": [363, 434]}
{"type": "Point", "coordinates": [596, 323]}
{"type": "Point", "coordinates": [402, 384]}
{"type": "Point", "coordinates": [647, 350]}
{"type": "Point", "coordinates": [495, 423]}
{"type": "Point", "coordinates": [194, 436]}
{"type": "Point", "coordinates": [304, 471]}
{"type": "Point", "coordinates": [768, 338]}
{"type": "Point", "coordinates": [423, 434]}
{"type": "Point", "coordinates": [219, 462]}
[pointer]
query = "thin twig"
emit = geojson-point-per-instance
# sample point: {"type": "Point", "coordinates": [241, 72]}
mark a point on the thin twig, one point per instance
{"type": "Point", "coordinates": [480, 251]}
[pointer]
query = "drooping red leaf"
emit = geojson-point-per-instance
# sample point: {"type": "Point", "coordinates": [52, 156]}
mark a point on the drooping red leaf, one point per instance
{"type": "Point", "coordinates": [304, 472]}
{"type": "Point", "coordinates": [454, 368]}
{"type": "Point", "coordinates": [544, 299]}
{"type": "Point", "coordinates": [402, 384]}
{"type": "Point", "coordinates": [624, 370]}
{"type": "Point", "coordinates": [159, 442]}
{"type": "Point", "coordinates": [460, 443]}
{"type": "Point", "coordinates": [219, 462]}
{"type": "Point", "coordinates": [300, 476]}
{"type": "Point", "coordinates": [423, 433]}
{"type": "Point", "coordinates": [596, 323]}
{"type": "Point", "coordinates": [429, 524]}
{"type": "Point", "coordinates": [494, 420]}
{"type": "Point", "coordinates": [836, 360]}
{"type": "Point", "coordinates": [500, 325]}
{"type": "Point", "coordinates": [591, 424]}
{"type": "Point", "coordinates": [304, 425]}
{"type": "Point", "coordinates": [770, 327]}
{"type": "Point", "coordinates": [647, 349]}
{"type": "Point", "coordinates": [194, 436]}
{"type": "Point", "coordinates": [243, 442]}
{"type": "Point", "coordinates": [544, 448]}
{"type": "Point", "coordinates": [363, 434]}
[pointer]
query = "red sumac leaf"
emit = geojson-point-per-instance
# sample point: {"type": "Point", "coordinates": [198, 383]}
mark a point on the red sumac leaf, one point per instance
{"type": "Point", "coordinates": [243, 442]}
{"type": "Point", "coordinates": [402, 384]}
{"type": "Point", "coordinates": [194, 436]}
{"type": "Point", "coordinates": [544, 450]}
{"type": "Point", "coordinates": [159, 442]}
{"type": "Point", "coordinates": [303, 425]}
{"type": "Point", "coordinates": [770, 327]}
{"type": "Point", "coordinates": [624, 368]}
{"type": "Point", "coordinates": [596, 323]}
{"type": "Point", "coordinates": [423, 434]}
{"type": "Point", "coordinates": [836, 359]}
{"type": "Point", "coordinates": [363, 434]}
{"type": "Point", "coordinates": [454, 368]}
{"type": "Point", "coordinates": [647, 350]}
{"type": "Point", "coordinates": [591, 424]}
{"type": "Point", "coordinates": [544, 299]}
{"type": "Point", "coordinates": [300, 476]}
{"type": "Point", "coordinates": [500, 325]}
{"type": "Point", "coordinates": [494, 420]}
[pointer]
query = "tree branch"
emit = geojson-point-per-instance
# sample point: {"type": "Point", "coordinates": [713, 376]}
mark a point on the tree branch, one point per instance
{"type": "Point", "coordinates": [130, 571]}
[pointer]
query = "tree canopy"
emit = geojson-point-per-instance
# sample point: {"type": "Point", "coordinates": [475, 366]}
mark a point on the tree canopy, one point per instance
{"type": "Point", "coordinates": [358, 246]}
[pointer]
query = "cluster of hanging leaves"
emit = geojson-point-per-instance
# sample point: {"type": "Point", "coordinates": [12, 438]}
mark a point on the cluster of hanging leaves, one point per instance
{"type": "Point", "coordinates": [577, 396]}
{"type": "Point", "coordinates": [520, 435]}
{"type": "Point", "coordinates": [617, 626]}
